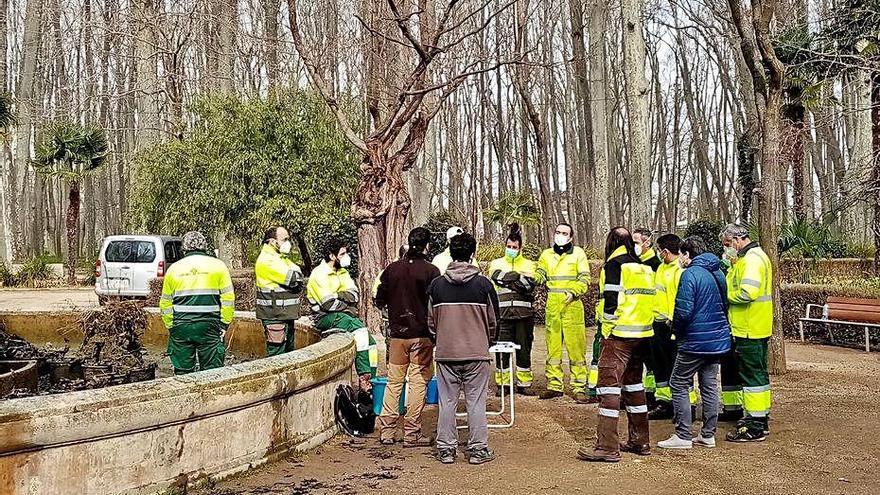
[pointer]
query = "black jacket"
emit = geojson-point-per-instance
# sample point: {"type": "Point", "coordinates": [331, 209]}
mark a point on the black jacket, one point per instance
{"type": "Point", "coordinates": [403, 290]}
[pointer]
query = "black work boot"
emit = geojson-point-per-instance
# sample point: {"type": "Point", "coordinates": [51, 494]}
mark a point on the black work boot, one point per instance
{"type": "Point", "coordinates": [663, 410]}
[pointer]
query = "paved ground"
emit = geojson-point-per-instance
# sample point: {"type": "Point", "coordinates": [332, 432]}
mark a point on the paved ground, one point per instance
{"type": "Point", "coordinates": [47, 299]}
{"type": "Point", "coordinates": [825, 440]}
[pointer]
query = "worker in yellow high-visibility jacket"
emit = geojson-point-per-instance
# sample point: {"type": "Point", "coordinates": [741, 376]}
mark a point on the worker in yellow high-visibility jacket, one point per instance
{"type": "Point", "coordinates": [279, 284]}
{"type": "Point", "coordinates": [643, 241]}
{"type": "Point", "coordinates": [197, 306]}
{"type": "Point", "coordinates": [334, 296]}
{"type": "Point", "coordinates": [627, 313]}
{"type": "Point", "coordinates": [513, 275]}
{"type": "Point", "coordinates": [744, 372]}
{"type": "Point", "coordinates": [565, 270]}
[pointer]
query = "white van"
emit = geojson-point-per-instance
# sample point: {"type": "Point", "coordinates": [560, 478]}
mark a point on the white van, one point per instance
{"type": "Point", "coordinates": [127, 264]}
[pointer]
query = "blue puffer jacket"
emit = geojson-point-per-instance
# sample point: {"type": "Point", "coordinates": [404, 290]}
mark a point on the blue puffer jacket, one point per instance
{"type": "Point", "coordinates": [700, 318]}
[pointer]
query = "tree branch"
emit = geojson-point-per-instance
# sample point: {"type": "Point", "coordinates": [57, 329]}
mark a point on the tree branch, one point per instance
{"type": "Point", "coordinates": [318, 81]}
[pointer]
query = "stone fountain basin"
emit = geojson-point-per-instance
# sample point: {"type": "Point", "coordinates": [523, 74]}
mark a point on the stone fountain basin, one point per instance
{"type": "Point", "coordinates": [171, 433]}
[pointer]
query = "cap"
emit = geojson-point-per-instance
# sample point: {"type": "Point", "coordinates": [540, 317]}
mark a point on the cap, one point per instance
{"type": "Point", "coordinates": [194, 241]}
{"type": "Point", "coordinates": [454, 231]}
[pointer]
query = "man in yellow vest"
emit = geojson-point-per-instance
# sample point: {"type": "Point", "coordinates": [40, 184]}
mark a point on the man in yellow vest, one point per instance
{"type": "Point", "coordinates": [642, 238]}
{"type": "Point", "coordinates": [334, 297]}
{"type": "Point", "coordinates": [749, 292]}
{"type": "Point", "coordinates": [663, 348]}
{"type": "Point", "coordinates": [197, 306]}
{"type": "Point", "coordinates": [513, 275]}
{"type": "Point", "coordinates": [279, 283]}
{"type": "Point", "coordinates": [566, 272]}
{"type": "Point", "coordinates": [627, 315]}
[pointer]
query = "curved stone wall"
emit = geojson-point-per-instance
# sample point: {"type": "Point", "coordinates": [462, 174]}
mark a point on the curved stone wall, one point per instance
{"type": "Point", "coordinates": [173, 432]}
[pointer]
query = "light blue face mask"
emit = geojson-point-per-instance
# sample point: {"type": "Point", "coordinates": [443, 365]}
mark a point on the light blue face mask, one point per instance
{"type": "Point", "coordinates": [511, 253]}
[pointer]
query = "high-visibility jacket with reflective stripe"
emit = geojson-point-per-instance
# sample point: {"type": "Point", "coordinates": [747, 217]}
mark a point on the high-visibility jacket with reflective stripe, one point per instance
{"type": "Point", "coordinates": [515, 285]}
{"type": "Point", "coordinates": [564, 273]}
{"type": "Point", "coordinates": [626, 287]}
{"type": "Point", "coordinates": [750, 294]}
{"type": "Point", "coordinates": [444, 259]}
{"type": "Point", "coordinates": [279, 283]}
{"type": "Point", "coordinates": [666, 283]}
{"type": "Point", "coordinates": [650, 258]}
{"type": "Point", "coordinates": [331, 291]}
{"type": "Point", "coordinates": [197, 290]}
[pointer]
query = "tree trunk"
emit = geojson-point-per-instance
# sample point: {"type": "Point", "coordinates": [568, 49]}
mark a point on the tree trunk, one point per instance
{"type": "Point", "coordinates": [601, 206]}
{"type": "Point", "coordinates": [793, 114]}
{"type": "Point", "coordinates": [875, 176]}
{"type": "Point", "coordinates": [303, 252]}
{"type": "Point", "coordinates": [72, 224]}
{"type": "Point", "coordinates": [637, 111]}
{"type": "Point", "coordinates": [270, 23]}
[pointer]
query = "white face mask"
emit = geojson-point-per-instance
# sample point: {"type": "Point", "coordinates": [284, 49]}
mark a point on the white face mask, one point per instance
{"type": "Point", "coordinates": [285, 247]}
{"type": "Point", "coordinates": [730, 252]}
{"type": "Point", "coordinates": [684, 261]}
{"type": "Point", "coordinates": [345, 260]}
{"type": "Point", "coordinates": [638, 249]}
{"type": "Point", "coordinates": [561, 239]}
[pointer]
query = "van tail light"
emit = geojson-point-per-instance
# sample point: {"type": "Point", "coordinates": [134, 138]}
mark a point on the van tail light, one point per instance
{"type": "Point", "coordinates": [161, 271]}
{"type": "Point", "coordinates": [97, 268]}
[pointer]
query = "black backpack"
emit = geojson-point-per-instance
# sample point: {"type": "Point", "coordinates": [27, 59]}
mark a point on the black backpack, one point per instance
{"type": "Point", "coordinates": [354, 411]}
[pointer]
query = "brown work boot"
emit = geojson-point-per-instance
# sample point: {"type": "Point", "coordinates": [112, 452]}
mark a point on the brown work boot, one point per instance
{"type": "Point", "coordinates": [526, 391]}
{"type": "Point", "coordinates": [635, 449]}
{"type": "Point", "coordinates": [590, 454]}
{"type": "Point", "coordinates": [550, 394]}
{"type": "Point", "coordinates": [420, 441]}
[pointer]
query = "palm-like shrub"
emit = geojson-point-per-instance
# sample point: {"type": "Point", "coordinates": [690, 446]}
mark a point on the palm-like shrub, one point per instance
{"type": "Point", "coordinates": [69, 151]}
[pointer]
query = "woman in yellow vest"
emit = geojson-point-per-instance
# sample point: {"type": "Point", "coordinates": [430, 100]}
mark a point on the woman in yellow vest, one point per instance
{"type": "Point", "coordinates": [627, 313]}
{"type": "Point", "coordinates": [513, 275]}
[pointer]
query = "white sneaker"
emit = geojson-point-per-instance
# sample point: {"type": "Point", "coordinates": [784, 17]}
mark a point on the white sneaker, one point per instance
{"type": "Point", "coordinates": [675, 443]}
{"type": "Point", "coordinates": [705, 442]}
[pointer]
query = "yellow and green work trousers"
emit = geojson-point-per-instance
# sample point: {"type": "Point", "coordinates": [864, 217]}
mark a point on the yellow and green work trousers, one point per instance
{"type": "Point", "coordinates": [565, 325]}
{"type": "Point", "coordinates": [745, 382]}
{"type": "Point", "coordinates": [196, 347]}
{"type": "Point", "coordinates": [593, 379]}
{"type": "Point", "coordinates": [522, 333]}
{"type": "Point", "coordinates": [279, 336]}
{"type": "Point", "coordinates": [366, 357]}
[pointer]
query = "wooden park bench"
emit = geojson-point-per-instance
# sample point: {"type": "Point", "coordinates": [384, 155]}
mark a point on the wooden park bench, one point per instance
{"type": "Point", "coordinates": [846, 311]}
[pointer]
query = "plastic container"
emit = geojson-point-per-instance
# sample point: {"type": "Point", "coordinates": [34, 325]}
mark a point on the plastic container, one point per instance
{"type": "Point", "coordinates": [379, 385]}
{"type": "Point", "coordinates": [433, 396]}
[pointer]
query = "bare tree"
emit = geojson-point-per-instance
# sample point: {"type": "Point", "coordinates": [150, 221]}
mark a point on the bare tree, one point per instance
{"type": "Point", "coordinates": [390, 148]}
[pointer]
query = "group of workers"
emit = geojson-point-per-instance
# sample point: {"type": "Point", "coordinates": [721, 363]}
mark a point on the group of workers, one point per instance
{"type": "Point", "coordinates": [666, 309]}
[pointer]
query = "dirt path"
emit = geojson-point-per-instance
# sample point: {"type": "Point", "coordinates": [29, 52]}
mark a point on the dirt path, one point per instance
{"type": "Point", "coordinates": [48, 299]}
{"type": "Point", "coordinates": [825, 439]}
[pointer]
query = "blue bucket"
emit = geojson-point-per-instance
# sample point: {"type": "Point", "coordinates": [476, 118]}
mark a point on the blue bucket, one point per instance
{"type": "Point", "coordinates": [379, 384]}
{"type": "Point", "coordinates": [432, 397]}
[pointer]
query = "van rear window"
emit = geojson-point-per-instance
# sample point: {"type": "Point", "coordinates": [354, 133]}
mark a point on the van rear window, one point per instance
{"type": "Point", "coordinates": [173, 251]}
{"type": "Point", "coordinates": [130, 252]}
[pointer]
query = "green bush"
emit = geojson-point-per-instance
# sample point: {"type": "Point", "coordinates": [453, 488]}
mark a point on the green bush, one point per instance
{"type": "Point", "coordinates": [7, 278]}
{"type": "Point", "coordinates": [860, 250]}
{"type": "Point", "coordinates": [709, 231]}
{"type": "Point", "coordinates": [34, 271]}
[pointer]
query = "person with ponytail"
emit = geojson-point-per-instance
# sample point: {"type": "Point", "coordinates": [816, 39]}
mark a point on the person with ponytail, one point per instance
{"type": "Point", "coordinates": [513, 275]}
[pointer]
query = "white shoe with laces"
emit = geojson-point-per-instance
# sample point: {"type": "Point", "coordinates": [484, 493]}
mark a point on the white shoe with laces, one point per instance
{"type": "Point", "coordinates": [674, 442]}
{"type": "Point", "coordinates": [705, 442]}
